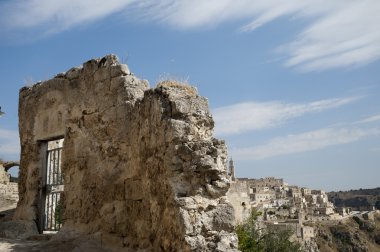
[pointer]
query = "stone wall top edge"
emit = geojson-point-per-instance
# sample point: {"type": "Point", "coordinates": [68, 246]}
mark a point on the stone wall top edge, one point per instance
{"type": "Point", "coordinates": [72, 73]}
{"type": "Point", "coordinates": [171, 88]}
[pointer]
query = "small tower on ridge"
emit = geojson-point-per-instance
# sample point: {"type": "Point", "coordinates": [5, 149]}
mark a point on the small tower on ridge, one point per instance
{"type": "Point", "coordinates": [231, 169]}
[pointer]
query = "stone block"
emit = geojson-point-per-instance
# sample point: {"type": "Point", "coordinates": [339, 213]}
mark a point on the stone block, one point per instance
{"type": "Point", "coordinates": [119, 70]}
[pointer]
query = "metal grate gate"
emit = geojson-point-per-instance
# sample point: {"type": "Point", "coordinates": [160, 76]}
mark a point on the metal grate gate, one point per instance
{"type": "Point", "coordinates": [54, 187]}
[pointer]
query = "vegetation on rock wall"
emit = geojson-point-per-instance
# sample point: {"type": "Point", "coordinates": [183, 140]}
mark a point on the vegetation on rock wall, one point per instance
{"type": "Point", "coordinates": [252, 238]}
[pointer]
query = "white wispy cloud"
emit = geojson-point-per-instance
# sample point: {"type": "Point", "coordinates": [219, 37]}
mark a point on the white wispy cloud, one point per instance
{"type": "Point", "coordinates": [251, 116]}
{"type": "Point", "coordinates": [307, 141]}
{"type": "Point", "coordinates": [56, 16]}
{"type": "Point", "coordinates": [9, 143]}
{"type": "Point", "coordinates": [346, 35]}
{"type": "Point", "coordinates": [337, 33]}
{"type": "Point", "coordinates": [370, 119]}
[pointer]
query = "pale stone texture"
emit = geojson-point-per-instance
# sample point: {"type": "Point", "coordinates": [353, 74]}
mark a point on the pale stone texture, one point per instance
{"type": "Point", "coordinates": [238, 195]}
{"type": "Point", "coordinates": [4, 176]}
{"type": "Point", "coordinates": [142, 170]}
{"type": "Point", "coordinates": [8, 189]}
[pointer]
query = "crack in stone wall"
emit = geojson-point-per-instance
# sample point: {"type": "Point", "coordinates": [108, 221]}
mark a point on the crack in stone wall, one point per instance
{"type": "Point", "coordinates": [141, 167]}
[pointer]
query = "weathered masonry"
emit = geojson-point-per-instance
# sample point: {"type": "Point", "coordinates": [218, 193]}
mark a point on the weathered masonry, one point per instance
{"type": "Point", "coordinates": [136, 168]}
{"type": "Point", "coordinates": [8, 189]}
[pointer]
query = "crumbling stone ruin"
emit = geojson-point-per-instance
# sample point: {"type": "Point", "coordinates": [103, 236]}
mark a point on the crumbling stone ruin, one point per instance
{"type": "Point", "coordinates": [8, 189]}
{"type": "Point", "coordinates": [134, 168]}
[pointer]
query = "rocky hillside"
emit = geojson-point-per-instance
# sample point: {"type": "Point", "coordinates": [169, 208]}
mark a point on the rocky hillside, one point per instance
{"type": "Point", "coordinates": [362, 199]}
{"type": "Point", "coordinates": [357, 233]}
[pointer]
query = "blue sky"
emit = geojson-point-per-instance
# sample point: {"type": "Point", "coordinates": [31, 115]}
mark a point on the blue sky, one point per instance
{"type": "Point", "coordinates": [294, 86]}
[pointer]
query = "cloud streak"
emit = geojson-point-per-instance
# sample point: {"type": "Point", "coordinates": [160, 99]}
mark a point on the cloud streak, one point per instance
{"type": "Point", "coordinates": [343, 36]}
{"type": "Point", "coordinates": [307, 141]}
{"type": "Point", "coordinates": [56, 16]}
{"type": "Point", "coordinates": [338, 33]}
{"type": "Point", "coordinates": [370, 119]}
{"type": "Point", "coordinates": [253, 116]}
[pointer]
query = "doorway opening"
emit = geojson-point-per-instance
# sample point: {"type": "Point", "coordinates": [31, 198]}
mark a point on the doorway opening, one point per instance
{"type": "Point", "coordinates": [54, 186]}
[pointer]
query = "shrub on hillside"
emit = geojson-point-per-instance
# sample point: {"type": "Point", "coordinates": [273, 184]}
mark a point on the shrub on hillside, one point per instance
{"type": "Point", "coordinates": [252, 238]}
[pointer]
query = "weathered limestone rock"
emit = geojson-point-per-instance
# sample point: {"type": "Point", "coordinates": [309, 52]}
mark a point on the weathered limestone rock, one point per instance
{"type": "Point", "coordinates": [8, 189]}
{"type": "Point", "coordinates": [141, 168]}
{"type": "Point", "coordinates": [4, 176]}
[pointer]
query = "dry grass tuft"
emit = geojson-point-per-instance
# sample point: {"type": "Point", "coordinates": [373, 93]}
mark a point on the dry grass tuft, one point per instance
{"type": "Point", "coordinates": [191, 91]}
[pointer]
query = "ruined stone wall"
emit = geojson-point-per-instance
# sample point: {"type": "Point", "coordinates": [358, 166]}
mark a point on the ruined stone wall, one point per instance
{"type": "Point", "coordinates": [4, 176]}
{"type": "Point", "coordinates": [141, 168]}
{"type": "Point", "coordinates": [8, 190]}
{"type": "Point", "coordinates": [238, 195]}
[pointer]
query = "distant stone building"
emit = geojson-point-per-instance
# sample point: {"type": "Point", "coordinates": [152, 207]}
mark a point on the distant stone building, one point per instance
{"type": "Point", "coordinates": [343, 211]}
{"type": "Point", "coordinates": [284, 207]}
{"type": "Point", "coordinates": [305, 191]}
{"type": "Point", "coordinates": [307, 233]}
{"type": "Point", "coordinates": [262, 196]}
{"type": "Point", "coordinates": [295, 192]}
{"type": "Point", "coordinates": [264, 182]}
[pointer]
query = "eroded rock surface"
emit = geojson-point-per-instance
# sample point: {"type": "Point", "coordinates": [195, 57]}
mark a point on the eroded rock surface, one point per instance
{"type": "Point", "coordinates": [141, 168]}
